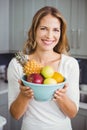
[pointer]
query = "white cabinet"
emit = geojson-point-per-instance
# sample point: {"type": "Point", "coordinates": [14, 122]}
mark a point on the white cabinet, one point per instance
{"type": "Point", "coordinates": [16, 22]}
{"type": "Point", "coordinates": [4, 26]}
{"type": "Point", "coordinates": [78, 31]}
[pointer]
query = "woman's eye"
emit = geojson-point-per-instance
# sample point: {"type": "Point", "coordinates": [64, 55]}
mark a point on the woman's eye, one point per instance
{"type": "Point", "coordinates": [56, 30]}
{"type": "Point", "coordinates": [43, 28]}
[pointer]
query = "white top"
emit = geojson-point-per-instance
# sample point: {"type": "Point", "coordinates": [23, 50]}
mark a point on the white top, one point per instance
{"type": "Point", "coordinates": [46, 115]}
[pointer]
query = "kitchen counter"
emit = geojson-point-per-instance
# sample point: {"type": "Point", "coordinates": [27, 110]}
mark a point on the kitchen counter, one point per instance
{"type": "Point", "coordinates": [4, 103]}
{"type": "Point", "coordinates": [83, 98]}
{"type": "Point", "coordinates": [83, 105]}
{"type": "Point", "coordinates": [3, 87]}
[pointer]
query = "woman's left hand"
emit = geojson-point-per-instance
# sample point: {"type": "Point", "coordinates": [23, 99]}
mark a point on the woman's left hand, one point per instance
{"type": "Point", "coordinates": [67, 106]}
{"type": "Point", "coordinates": [60, 94]}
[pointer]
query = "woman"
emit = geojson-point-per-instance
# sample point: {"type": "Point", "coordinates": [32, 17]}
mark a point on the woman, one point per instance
{"type": "Point", "coordinates": [47, 43]}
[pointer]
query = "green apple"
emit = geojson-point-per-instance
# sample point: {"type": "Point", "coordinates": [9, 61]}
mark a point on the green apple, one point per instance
{"type": "Point", "coordinates": [47, 71]}
{"type": "Point", "coordinates": [50, 81]}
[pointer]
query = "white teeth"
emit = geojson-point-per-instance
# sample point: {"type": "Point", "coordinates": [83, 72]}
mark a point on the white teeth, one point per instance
{"type": "Point", "coordinates": [48, 42]}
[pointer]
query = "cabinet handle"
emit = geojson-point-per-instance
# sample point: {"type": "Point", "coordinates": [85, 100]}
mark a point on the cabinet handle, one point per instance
{"type": "Point", "coordinates": [72, 46]}
{"type": "Point", "coordinates": [78, 38]}
{"type": "Point", "coordinates": [73, 38]}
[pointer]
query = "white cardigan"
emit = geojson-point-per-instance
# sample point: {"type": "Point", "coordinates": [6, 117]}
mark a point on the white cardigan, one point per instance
{"type": "Point", "coordinates": [46, 115]}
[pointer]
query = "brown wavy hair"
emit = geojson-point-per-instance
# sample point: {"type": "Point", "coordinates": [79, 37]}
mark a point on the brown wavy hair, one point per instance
{"type": "Point", "coordinates": [30, 44]}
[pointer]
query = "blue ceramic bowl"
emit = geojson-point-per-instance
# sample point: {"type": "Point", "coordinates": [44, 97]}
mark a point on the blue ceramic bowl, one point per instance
{"type": "Point", "coordinates": [43, 92]}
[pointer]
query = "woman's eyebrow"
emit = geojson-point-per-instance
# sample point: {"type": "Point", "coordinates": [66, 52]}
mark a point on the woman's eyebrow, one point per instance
{"type": "Point", "coordinates": [48, 27]}
{"type": "Point", "coordinates": [43, 26]}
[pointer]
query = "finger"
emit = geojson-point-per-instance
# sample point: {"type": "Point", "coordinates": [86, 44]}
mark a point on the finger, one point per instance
{"type": "Point", "coordinates": [29, 94]}
{"type": "Point", "coordinates": [64, 89]}
{"type": "Point", "coordinates": [27, 91]}
{"type": "Point", "coordinates": [61, 92]}
{"type": "Point", "coordinates": [57, 97]}
{"type": "Point", "coordinates": [65, 86]}
{"type": "Point", "coordinates": [24, 88]}
{"type": "Point", "coordinates": [58, 93]}
{"type": "Point", "coordinates": [22, 85]}
{"type": "Point", "coordinates": [20, 82]}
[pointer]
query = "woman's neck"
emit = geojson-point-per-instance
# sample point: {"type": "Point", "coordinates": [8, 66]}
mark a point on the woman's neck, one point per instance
{"type": "Point", "coordinates": [46, 57]}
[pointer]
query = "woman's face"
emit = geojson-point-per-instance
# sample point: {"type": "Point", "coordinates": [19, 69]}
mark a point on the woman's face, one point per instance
{"type": "Point", "coordinates": [48, 33]}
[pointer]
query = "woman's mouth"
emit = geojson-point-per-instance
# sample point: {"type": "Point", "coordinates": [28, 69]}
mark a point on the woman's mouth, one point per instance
{"type": "Point", "coordinates": [48, 42]}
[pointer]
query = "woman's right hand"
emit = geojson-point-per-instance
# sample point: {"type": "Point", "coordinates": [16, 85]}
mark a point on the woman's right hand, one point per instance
{"type": "Point", "coordinates": [26, 91]}
{"type": "Point", "coordinates": [20, 104]}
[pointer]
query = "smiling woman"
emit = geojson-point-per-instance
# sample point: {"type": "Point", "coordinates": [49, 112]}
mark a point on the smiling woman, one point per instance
{"type": "Point", "coordinates": [47, 44]}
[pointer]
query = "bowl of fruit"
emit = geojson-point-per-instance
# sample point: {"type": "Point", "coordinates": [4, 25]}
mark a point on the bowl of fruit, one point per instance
{"type": "Point", "coordinates": [43, 80]}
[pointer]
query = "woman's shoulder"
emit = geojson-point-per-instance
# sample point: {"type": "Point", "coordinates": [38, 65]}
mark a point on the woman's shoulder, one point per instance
{"type": "Point", "coordinates": [13, 61]}
{"type": "Point", "coordinates": [15, 68]}
{"type": "Point", "coordinates": [14, 65]}
{"type": "Point", "coordinates": [67, 59]}
{"type": "Point", "coordinates": [69, 63]}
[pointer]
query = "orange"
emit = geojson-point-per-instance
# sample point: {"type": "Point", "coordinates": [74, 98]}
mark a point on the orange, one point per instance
{"type": "Point", "coordinates": [58, 77]}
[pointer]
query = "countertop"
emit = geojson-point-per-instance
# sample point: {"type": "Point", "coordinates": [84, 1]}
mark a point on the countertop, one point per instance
{"type": "Point", "coordinates": [3, 86]}
{"type": "Point", "coordinates": [83, 105]}
{"type": "Point", "coordinates": [4, 89]}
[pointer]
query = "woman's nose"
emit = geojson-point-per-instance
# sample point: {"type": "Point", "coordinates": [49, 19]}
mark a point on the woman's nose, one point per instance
{"type": "Point", "coordinates": [49, 34]}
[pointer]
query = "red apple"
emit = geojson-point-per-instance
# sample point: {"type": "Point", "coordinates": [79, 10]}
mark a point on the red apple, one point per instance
{"type": "Point", "coordinates": [35, 78]}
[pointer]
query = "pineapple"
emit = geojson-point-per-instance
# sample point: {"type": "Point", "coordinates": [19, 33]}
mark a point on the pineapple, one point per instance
{"type": "Point", "coordinates": [29, 66]}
